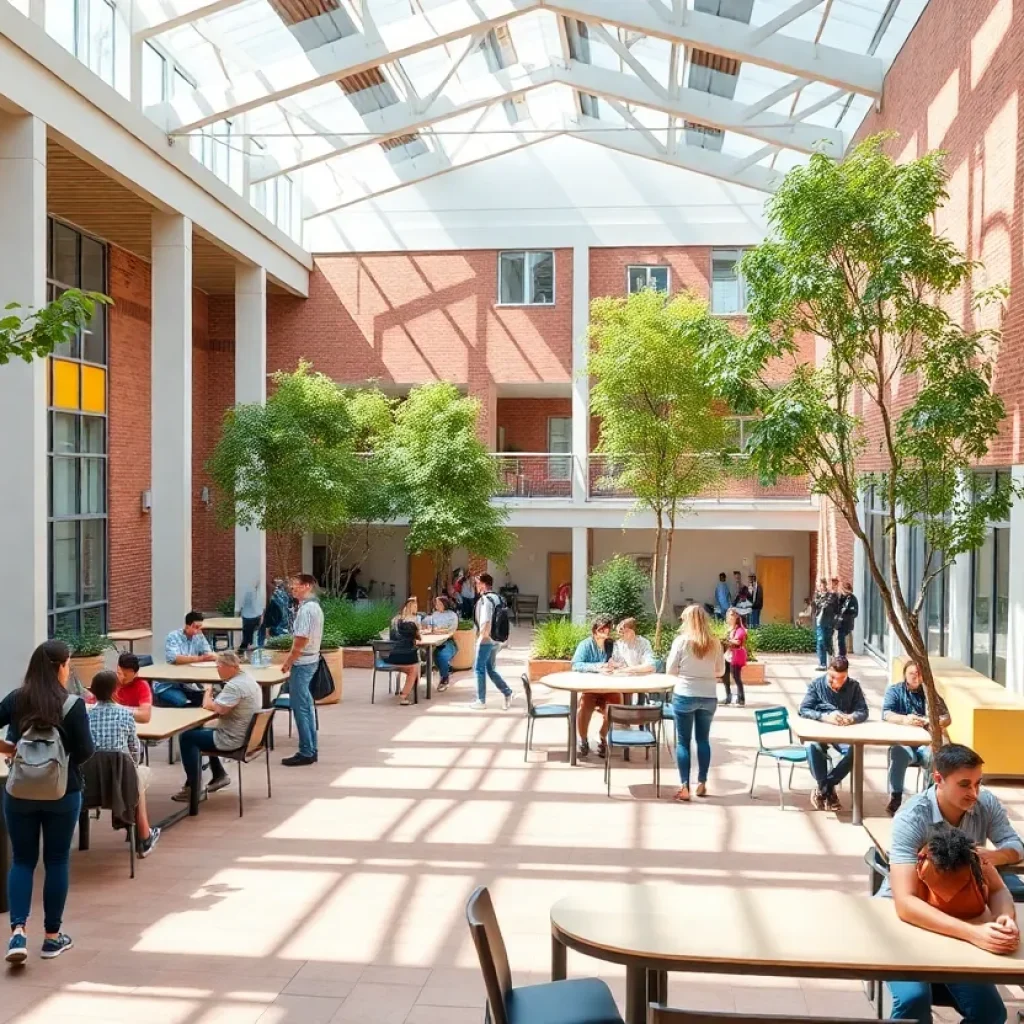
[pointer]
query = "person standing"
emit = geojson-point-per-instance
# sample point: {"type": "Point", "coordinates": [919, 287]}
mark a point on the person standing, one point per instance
{"type": "Point", "coordinates": [735, 656]}
{"type": "Point", "coordinates": [696, 658]}
{"type": "Point", "coordinates": [825, 605]}
{"type": "Point", "coordinates": [275, 615]}
{"type": "Point", "coordinates": [468, 593]}
{"type": "Point", "coordinates": [302, 662]}
{"type": "Point", "coordinates": [723, 599]}
{"type": "Point", "coordinates": [42, 703]}
{"type": "Point", "coordinates": [756, 600]}
{"type": "Point", "coordinates": [487, 648]}
{"type": "Point", "coordinates": [251, 611]}
{"type": "Point", "coordinates": [849, 609]}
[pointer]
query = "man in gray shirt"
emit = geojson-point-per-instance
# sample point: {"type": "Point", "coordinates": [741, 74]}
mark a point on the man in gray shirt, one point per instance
{"type": "Point", "coordinates": [302, 662]}
{"type": "Point", "coordinates": [956, 800]}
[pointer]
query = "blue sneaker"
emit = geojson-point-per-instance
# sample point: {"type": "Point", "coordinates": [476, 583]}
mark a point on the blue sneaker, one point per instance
{"type": "Point", "coordinates": [17, 949]}
{"type": "Point", "coordinates": [53, 948]}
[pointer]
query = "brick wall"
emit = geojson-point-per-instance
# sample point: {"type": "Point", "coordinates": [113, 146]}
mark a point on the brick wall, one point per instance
{"type": "Point", "coordinates": [689, 267]}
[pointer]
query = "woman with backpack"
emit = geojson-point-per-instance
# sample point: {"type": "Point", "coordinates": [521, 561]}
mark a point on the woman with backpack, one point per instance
{"type": "Point", "coordinates": [48, 739]}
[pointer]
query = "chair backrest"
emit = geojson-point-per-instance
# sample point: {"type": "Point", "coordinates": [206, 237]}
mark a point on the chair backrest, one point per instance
{"type": "Point", "coordinates": [528, 693]}
{"type": "Point", "coordinates": [664, 1015]}
{"type": "Point", "coordinates": [631, 714]}
{"type": "Point", "coordinates": [259, 728]}
{"type": "Point", "coordinates": [490, 950]}
{"type": "Point", "coordinates": [769, 720]}
{"type": "Point", "coordinates": [527, 602]}
{"type": "Point", "coordinates": [382, 648]}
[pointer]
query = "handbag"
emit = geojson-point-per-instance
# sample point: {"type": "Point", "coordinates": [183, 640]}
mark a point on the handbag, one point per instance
{"type": "Point", "coordinates": [321, 685]}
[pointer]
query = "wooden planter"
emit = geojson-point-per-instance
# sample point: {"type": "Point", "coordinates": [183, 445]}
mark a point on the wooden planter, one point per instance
{"type": "Point", "coordinates": [357, 657]}
{"type": "Point", "coordinates": [753, 674]}
{"type": "Point", "coordinates": [277, 657]}
{"type": "Point", "coordinates": [465, 643]}
{"type": "Point", "coordinates": [335, 659]}
{"type": "Point", "coordinates": [85, 668]}
{"type": "Point", "coordinates": [538, 667]}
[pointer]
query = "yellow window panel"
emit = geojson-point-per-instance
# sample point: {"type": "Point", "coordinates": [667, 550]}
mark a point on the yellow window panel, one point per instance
{"type": "Point", "coordinates": [65, 384]}
{"type": "Point", "coordinates": [94, 389]}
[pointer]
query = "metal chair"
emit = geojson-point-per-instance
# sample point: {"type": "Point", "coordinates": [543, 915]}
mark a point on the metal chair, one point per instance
{"type": "Point", "coordinates": [95, 773]}
{"type": "Point", "coordinates": [663, 1015]}
{"type": "Point", "coordinates": [283, 702]}
{"type": "Point", "coordinates": [575, 1001]}
{"type": "Point", "coordinates": [526, 607]}
{"type": "Point", "coordinates": [535, 711]}
{"type": "Point", "coordinates": [775, 720]}
{"type": "Point", "coordinates": [381, 649]}
{"type": "Point", "coordinates": [257, 742]}
{"type": "Point", "coordinates": [648, 735]}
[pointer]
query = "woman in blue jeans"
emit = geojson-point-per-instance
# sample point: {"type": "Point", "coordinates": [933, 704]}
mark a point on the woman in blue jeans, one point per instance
{"type": "Point", "coordinates": [42, 701]}
{"type": "Point", "coordinates": [697, 659]}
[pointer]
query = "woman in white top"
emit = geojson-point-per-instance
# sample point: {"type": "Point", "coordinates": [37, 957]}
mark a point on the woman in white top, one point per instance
{"type": "Point", "coordinates": [696, 658]}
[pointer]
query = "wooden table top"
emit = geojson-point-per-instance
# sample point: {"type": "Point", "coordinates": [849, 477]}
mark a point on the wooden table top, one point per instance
{"type": "Point", "coordinates": [433, 639]}
{"type": "Point", "coordinates": [222, 623]}
{"type": "Point", "coordinates": [206, 672]}
{"type": "Point", "coordinates": [129, 635]}
{"type": "Point", "coordinates": [871, 732]}
{"type": "Point", "coordinates": [599, 682]}
{"type": "Point", "coordinates": [769, 931]}
{"type": "Point", "coordinates": [168, 722]}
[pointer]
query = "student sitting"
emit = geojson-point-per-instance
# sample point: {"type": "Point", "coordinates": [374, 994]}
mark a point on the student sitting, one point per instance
{"type": "Point", "coordinates": [405, 655]}
{"type": "Point", "coordinates": [593, 655]}
{"type": "Point", "coordinates": [185, 647]}
{"type": "Point", "coordinates": [113, 728]}
{"type": "Point", "coordinates": [133, 692]}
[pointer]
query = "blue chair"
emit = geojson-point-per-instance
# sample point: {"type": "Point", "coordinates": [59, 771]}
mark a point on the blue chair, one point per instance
{"type": "Point", "coordinates": [381, 649]}
{"type": "Point", "coordinates": [575, 1001]}
{"type": "Point", "coordinates": [535, 711]}
{"type": "Point", "coordinates": [649, 718]}
{"type": "Point", "coordinates": [776, 720]}
{"type": "Point", "coordinates": [283, 702]}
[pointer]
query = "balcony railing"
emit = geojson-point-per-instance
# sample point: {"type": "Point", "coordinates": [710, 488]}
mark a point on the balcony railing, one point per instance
{"type": "Point", "coordinates": [534, 475]}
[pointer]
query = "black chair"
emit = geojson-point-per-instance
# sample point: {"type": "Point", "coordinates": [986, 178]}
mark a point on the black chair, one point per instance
{"type": "Point", "coordinates": [535, 711]}
{"type": "Point", "coordinates": [257, 742]}
{"type": "Point", "coordinates": [381, 649]}
{"type": "Point", "coordinates": [576, 1001]}
{"type": "Point", "coordinates": [664, 1015]}
{"type": "Point", "coordinates": [99, 792]}
{"type": "Point", "coordinates": [648, 735]}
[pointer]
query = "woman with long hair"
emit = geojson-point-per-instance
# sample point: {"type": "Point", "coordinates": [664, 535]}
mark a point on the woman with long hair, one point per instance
{"type": "Point", "coordinates": [735, 656]}
{"type": "Point", "coordinates": [405, 655]}
{"type": "Point", "coordinates": [696, 658]}
{"type": "Point", "coordinates": [444, 620]}
{"type": "Point", "coordinates": [42, 702]}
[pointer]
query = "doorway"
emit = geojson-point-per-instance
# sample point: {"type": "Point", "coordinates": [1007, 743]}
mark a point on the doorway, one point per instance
{"type": "Point", "coordinates": [421, 580]}
{"type": "Point", "coordinates": [559, 572]}
{"type": "Point", "coordinates": [775, 574]}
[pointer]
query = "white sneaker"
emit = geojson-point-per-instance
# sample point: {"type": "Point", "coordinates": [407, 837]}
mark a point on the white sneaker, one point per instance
{"type": "Point", "coordinates": [509, 697]}
{"type": "Point", "coordinates": [478, 705]}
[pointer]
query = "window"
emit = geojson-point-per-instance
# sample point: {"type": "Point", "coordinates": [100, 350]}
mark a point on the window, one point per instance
{"type": "Point", "coordinates": [275, 199]}
{"type": "Point", "coordinates": [498, 49]}
{"type": "Point", "coordinates": [935, 613]}
{"type": "Point", "coordinates": [77, 450]}
{"type": "Point", "coordinates": [728, 289]}
{"type": "Point", "coordinates": [990, 593]}
{"type": "Point", "coordinates": [639, 278]}
{"type": "Point", "coordinates": [85, 28]}
{"type": "Point", "coordinates": [154, 76]}
{"type": "Point", "coordinates": [878, 520]}
{"type": "Point", "coordinates": [526, 278]}
{"type": "Point", "coordinates": [560, 441]}
{"type": "Point", "coordinates": [212, 146]}
{"type": "Point", "coordinates": [738, 430]}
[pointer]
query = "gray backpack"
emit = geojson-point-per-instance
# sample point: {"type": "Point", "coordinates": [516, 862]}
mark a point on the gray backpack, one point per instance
{"type": "Point", "coordinates": [39, 768]}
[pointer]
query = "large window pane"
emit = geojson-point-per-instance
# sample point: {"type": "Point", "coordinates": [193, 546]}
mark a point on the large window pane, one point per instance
{"type": "Point", "coordinates": [1002, 604]}
{"type": "Point", "coordinates": [658, 277]}
{"type": "Point", "coordinates": [101, 39]}
{"type": "Point", "coordinates": [61, 23]}
{"type": "Point", "coordinates": [542, 278]}
{"type": "Point", "coordinates": [65, 486]}
{"type": "Point", "coordinates": [65, 255]}
{"type": "Point", "coordinates": [93, 429]}
{"type": "Point", "coordinates": [560, 440]}
{"type": "Point", "coordinates": [93, 560]}
{"type": "Point", "coordinates": [94, 279]}
{"type": "Point", "coordinates": [512, 287]}
{"type": "Point", "coordinates": [63, 440]}
{"type": "Point", "coordinates": [94, 499]}
{"type": "Point", "coordinates": [726, 285]}
{"type": "Point", "coordinates": [981, 645]}
{"type": "Point", "coordinates": [153, 72]}
{"type": "Point", "coordinates": [637, 277]}
{"type": "Point", "coordinates": [64, 552]}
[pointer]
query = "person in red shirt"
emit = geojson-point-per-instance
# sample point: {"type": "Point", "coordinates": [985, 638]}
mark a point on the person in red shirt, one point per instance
{"type": "Point", "coordinates": [133, 692]}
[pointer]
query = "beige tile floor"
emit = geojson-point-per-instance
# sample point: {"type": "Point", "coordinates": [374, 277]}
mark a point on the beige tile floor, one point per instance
{"type": "Point", "coordinates": [341, 899]}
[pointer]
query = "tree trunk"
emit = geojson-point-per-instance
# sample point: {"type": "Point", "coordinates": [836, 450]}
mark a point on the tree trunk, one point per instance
{"type": "Point", "coordinates": [669, 535]}
{"type": "Point", "coordinates": [656, 575]}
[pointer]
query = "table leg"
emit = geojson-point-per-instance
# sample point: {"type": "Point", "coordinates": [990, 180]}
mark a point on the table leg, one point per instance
{"type": "Point", "coordinates": [858, 783]}
{"type": "Point", "coordinates": [636, 995]}
{"type": "Point", "coordinates": [559, 969]}
{"type": "Point", "coordinates": [572, 727]}
{"type": "Point", "coordinates": [657, 987]}
{"type": "Point", "coordinates": [430, 669]}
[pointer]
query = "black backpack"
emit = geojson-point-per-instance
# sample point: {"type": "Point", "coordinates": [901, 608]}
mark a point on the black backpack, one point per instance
{"type": "Point", "coordinates": [499, 620]}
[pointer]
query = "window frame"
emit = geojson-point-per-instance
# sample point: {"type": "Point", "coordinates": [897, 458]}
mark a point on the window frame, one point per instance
{"type": "Point", "coordinates": [741, 282]}
{"type": "Point", "coordinates": [556, 459]}
{"type": "Point", "coordinates": [647, 268]}
{"type": "Point", "coordinates": [873, 604]}
{"type": "Point", "coordinates": [1000, 535]}
{"type": "Point", "coordinates": [527, 280]}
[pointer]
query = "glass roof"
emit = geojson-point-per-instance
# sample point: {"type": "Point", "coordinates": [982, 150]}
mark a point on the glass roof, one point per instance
{"type": "Point", "coordinates": [348, 99]}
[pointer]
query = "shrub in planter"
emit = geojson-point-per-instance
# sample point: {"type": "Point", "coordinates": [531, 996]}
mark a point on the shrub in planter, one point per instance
{"type": "Point", "coordinates": [619, 588]}
{"type": "Point", "coordinates": [356, 624]}
{"type": "Point", "coordinates": [279, 646]}
{"type": "Point", "coordinates": [226, 606]}
{"type": "Point", "coordinates": [554, 643]}
{"type": "Point", "coordinates": [465, 639]}
{"type": "Point", "coordinates": [782, 638]}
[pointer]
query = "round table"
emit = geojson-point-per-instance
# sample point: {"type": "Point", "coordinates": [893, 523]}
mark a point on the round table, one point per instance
{"type": "Point", "coordinates": [575, 683]}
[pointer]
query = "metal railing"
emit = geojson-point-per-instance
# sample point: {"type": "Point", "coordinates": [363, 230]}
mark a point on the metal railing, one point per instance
{"type": "Point", "coordinates": [534, 474]}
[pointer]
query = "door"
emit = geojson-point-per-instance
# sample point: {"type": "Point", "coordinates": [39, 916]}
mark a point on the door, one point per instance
{"type": "Point", "coordinates": [775, 574]}
{"type": "Point", "coordinates": [421, 580]}
{"type": "Point", "coordinates": [560, 442]}
{"type": "Point", "coordinates": [559, 571]}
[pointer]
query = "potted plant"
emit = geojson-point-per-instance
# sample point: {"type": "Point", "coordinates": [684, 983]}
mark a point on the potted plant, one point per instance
{"type": "Point", "coordinates": [331, 649]}
{"type": "Point", "coordinates": [278, 646]}
{"type": "Point", "coordinates": [465, 642]}
{"type": "Point", "coordinates": [554, 643]}
{"type": "Point", "coordinates": [87, 652]}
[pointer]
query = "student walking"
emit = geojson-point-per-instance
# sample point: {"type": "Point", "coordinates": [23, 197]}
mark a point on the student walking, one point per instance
{"type": "Point", "coordinates": [487, 645]}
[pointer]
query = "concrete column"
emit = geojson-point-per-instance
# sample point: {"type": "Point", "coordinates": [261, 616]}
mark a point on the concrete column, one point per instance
{"type": "Point", "coordinates": [23, 541]}
{"type": "Point", "coordinates": [307, 553]}
{"type": "Point", "coordinates": [1015, 627]}
{"type": "Point", "coordinates": [250, 389]}
{"type": "Point", "coordinates": [172, 423]}
{"type": "Point", "coordinates": [580, 573]}
{"type": "Point", "coordinates": [580, 380]}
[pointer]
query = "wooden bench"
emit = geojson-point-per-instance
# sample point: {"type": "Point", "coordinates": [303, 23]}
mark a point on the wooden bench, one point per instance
{"type": "Point", "coordinates": [985, 716]}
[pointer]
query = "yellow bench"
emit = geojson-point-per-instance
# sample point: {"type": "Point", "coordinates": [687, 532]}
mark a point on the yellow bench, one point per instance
{"type": "Point", "coordinates": [985, 716]}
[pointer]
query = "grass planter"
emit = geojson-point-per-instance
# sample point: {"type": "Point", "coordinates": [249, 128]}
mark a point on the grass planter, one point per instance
{"type": "Point", "coordinates": [537, 668]}
{"type": "Point", "coordinates": [335, 658]}
{"type": "Point", "coordinates": [357, 657]}
{"type": "Point", "coordinates": [85, 667]}
{"type": "Point", "coordinates": [753, 674]}
{"type": "Point", "coordinates": [465, 648]}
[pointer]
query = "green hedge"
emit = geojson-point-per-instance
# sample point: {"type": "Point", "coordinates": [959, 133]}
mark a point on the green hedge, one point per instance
{"type": "Point", "coordinates": [783, 638]}
{"type": "Point", "coordinates": [558, 638]}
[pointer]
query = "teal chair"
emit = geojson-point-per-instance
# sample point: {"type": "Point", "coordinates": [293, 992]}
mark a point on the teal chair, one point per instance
{"type": "Point", "coordinates": [536, 711]}
{"type": "Point", "coordinates": [771, 721]}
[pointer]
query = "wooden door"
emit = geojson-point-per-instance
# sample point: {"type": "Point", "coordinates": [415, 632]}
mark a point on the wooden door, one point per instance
{"type": "Point", "coordinates": [421, 581]}
{"type": "Point", "coordinates": [775, 574]}
{"type": "Point", "coordinates": [559, 572]}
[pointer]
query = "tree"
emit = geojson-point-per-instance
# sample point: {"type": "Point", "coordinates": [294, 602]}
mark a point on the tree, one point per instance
{"type": "Point", "coordinates": [36, 333]}
{"type": "Point", "coordinates": [446, 478]}
{"type": "Point", "coordinates": [661, 427]}
{"type": "Point", "coordinates": [903, 398]}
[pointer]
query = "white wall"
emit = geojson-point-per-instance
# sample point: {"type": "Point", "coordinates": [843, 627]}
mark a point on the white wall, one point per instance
{"type": "Point", "coordinates": [528, 566]}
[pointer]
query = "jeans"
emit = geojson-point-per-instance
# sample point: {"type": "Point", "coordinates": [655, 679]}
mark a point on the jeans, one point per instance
{"type": "Point", "coordinates": [249, 627]}
{"type": "Point", "coordinates": [755, 618]}
{"type": "Point", "coordinates": [693, 716]}
{"type": "Point", "coordinates": [445, 653]}
{"type": "Point", "coordinates": [467, 607]}
{"type": "Point", "coordinates": [483, 665]}
{"type": "Point", "coordinates": [901, 758]}
{"type": "Point", "coordinates": [192, 744]}
{"type": "Point", "coordinates": [174, 695]}
{"type": "Point", "coordinates": [841, 641]}
{"type": "Point", "coordinates": [302, 707]}
{"type": "Point", "coordinates": [817, 761]}
{"type": "Point", "coordinates": [26, 820]}
{"type": "Point", "coordinates": [823, 638]}
{"type": "Point", "coordinates": [736, 672]}
{"type": "Point", "coordinates": [977, 1004]}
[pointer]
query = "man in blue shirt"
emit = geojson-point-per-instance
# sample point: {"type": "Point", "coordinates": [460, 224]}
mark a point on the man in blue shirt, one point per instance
{"type": "Point", "coordinates": [837, 699]}
{"type": "Point", "coordinates": [185, 647]}
{"type": "Point", "coordinates": [723, 599]}
{"type": "Point", "coordinates": [904, 704]}
{"type": "Point", "coordinates": [956, 800]}
{"type": "Point", "coordinates": [593, 655]}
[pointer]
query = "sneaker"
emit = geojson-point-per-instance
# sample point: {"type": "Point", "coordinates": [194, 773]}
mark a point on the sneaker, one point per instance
{"type": "Point", "coordinates": [741, 702]}
{"type": "Point", "coordinates": [52, 948]}
{"type": "Point", "coordinates": [147, 845]}
{"type": "Point", "coordinates": [442, 686]}
{"type": "Point", "coordinates": [182, 795]}
{"type": "Point", "coordinates": [583, 749]}
{"type": "Point", "coordinates": [219, 782]}
{"type": "Point", "coordinates": [602, 748]}
{"type": "Point", "coordinates": [725, 701]}
{"type": "Point", "coordinates": [817, 800]}
{"type": "Point", "coordinates": [821, 668]}
{"type": "Point", "coordinates": [894, 804]}
{"type": "Point", "coordinates": [297, 760]}
{"type": "Point", "coordinates": [478, 705]}
{"type": "Point", "coordinates": [832, 801]}
{"type": "Point", "coordinates": [507, 701]}
{"type": "Point", "coordinates": [17, 949]}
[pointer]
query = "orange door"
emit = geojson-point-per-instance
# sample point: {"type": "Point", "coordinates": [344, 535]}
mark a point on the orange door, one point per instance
{"type": "Point", "coordinates": [421, 580]}
{"type": "Point", "coordinates": [775, 574]}
{"type": "Point", "coordinates": [559, 571]}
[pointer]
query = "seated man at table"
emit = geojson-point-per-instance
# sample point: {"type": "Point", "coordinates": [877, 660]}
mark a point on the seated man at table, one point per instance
{"type": "Point", "coordinates": [592, 655]}
{"type": "Point", "coordinates": [837, 699]}
{"type": "Point", "coordinates": [185, 647]}
{"type": "Point", "coordinates": [956, 800]}
{"type": "Point", "coordinates": [632, 654]}
{"type": "Point", "coordinates": [132, 692]}
{"type": "Point", "coordinates": [234, 707]}
{"type": "Point", "coordinates": [904, 704]}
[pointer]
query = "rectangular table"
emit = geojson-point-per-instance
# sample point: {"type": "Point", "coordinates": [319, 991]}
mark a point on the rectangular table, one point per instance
{"type": "Point", "coordinates": [885, 734]}
{"type": "Point", "coordinates": [129, 637]}
{"type": "Point", "coordinates": [201, 673]}
{"type": "Point", "coordinates": [230, 624]}
{"type": "Point", "coordinates": [777, 932]}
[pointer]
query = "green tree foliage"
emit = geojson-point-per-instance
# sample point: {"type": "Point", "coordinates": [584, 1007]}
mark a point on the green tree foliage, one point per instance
{"type": "Point", "coordinates": [445, 478]}
{"type": "Point", "coordinates": [619, 588]}
{"type": "Point", "coordinates": [661, 428]}
{"type": "Point", "coordinates": [33, 333]}
{"type": "Point", "coordinates": [854, 258]}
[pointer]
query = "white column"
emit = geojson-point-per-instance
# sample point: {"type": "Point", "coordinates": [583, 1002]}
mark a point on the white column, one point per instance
{"type": "Point", "coordinates": [1015, 626]}
{"type": "Point", "coordinates": [250, 388]}
{"type": "Point", "coordinates": [307, 553]}
{"type": "Point", "coordinates": [172, 422]}
{"type": "Point", "coordinates": [580, 380]}
{"type": "Point", "coordinates": [580, 572]}
{"type": "Point", "coordinates": [23, 469]}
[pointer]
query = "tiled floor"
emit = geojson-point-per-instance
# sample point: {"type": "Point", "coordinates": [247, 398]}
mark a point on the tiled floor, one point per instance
{"type": "Point", "coordinates": [341, 899]}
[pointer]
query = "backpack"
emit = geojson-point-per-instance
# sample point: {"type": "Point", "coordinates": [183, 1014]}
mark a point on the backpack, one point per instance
{"type": "Point", "coordinates": [39, 768]}
{"type": "Point", "coordinates": [499, 620]}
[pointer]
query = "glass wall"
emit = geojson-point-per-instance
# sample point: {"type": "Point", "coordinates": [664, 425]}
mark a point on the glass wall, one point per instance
{"type": "Point", "coordinates": [876, 625]}
{"type": "Point", "coordinates": [990, 593]}
{"type": "Point", "coordinates": [77, 412]}
{"type": "Point", "coordinates": [935, 613]}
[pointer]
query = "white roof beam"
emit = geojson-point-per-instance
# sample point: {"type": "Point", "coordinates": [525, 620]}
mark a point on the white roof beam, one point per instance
{"type": "Point", "coordinates": [831, 98]}
{"type": "Point", "coordinates": [780, 21]}
{"type": "Point", "coordinates": [600, 32]}
{"type": "Point", "coordinates": [769, 101]}
{"type": "Point", "coordinates": [198, 13]}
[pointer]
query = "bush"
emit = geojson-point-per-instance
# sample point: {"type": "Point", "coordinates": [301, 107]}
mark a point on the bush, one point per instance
{"type": "Point", "coordinates": [558, 639]}
{"type": "Point", "coordinates": [226, 606]}
{"type": "Point", "coordinates": [279, 643]}
{"type": "Point", "coordinates": [355, 624]}
{"type": "Point", "coordinates": [88, 643]}
{"type": "Point", "coordinates": [783, 638]}
{"type": "Point", "coordinates": [619, 588]}
{"type": "Point", "coordinates": [467, 624]}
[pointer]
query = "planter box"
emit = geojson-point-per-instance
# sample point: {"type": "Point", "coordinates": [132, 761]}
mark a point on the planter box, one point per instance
{"type": "Point", "coordinates": [753, 674]}
{"type": "Point", "coordinates": [357, 657]}
{"type": "Point", "coordinates": [277, 657]}
{"type": "Point", "coordinates": [538, 667]}
{"type": "Point", "coordinates": [465, 642]}
{"type": "Point", "coordinates": [85, 668]}
{"type": "Point", "coordinates": [335, 662]}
